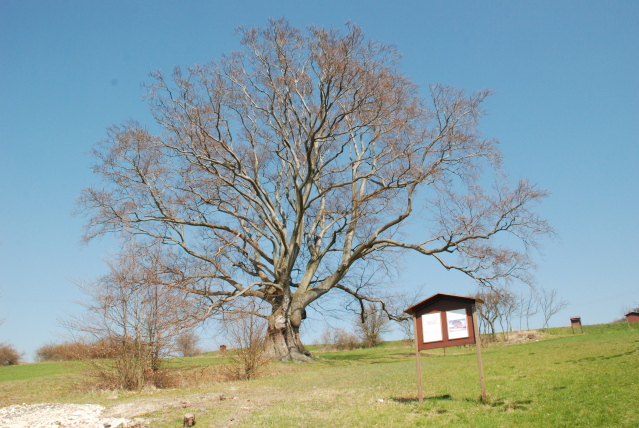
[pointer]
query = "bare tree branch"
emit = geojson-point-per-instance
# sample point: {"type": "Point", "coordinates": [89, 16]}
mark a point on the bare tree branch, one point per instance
{"type": "Point", "coordinates": [279, 169]}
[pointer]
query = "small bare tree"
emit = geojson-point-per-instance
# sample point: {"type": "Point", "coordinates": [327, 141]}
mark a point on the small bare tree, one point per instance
{"type": "Point", "coordinates": [550, 303]}
{"type": "Point", "coordinates": [509, 305]}
{"type": "Point", "coordinates": [134, 316]}
{"type": "Point", "coordinates": [406, 325]}
{"type": "Point", "coordinates": [499, 307]}
{"type": "Point", "coordinates": [245, 332]}
{"type": "Point", "coordinates": [401, 302]}
{"type": "Point", "coordinates": [488, 311]}
{"type": "Point", "coordinates": [528, 305]}
{"type": "Point", "coordinates": [371, 324]}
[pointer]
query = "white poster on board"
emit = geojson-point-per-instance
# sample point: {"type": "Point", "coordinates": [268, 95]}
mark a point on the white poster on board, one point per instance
{"type": "Point", "coordinates": [432, 327]}
{"type": "Point", "coordinates": [457, 324]}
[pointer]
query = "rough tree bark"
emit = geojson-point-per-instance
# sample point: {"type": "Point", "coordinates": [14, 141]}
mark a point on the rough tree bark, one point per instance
{"type": "Point", "coordinates": [279, 170]}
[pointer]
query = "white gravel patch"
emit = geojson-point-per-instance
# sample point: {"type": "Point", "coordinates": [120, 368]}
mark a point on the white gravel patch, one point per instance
{"type": "Point", "coordinates": [54, 415]}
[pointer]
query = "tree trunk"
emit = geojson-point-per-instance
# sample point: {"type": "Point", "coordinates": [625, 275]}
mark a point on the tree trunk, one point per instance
{"type": "Point", "coordinates": [282, 341]}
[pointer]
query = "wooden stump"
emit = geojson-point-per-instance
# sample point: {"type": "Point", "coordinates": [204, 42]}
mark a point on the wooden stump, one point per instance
{"type": "Point", "coordinates": [189, 420]}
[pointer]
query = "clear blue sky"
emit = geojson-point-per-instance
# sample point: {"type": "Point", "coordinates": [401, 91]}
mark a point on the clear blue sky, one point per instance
{"type": "Point", "coordinates": [566, 108]}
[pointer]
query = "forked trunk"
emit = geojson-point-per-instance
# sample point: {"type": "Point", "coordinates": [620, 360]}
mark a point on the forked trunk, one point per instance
{"type": "Point", "coordinates": [282, 340]}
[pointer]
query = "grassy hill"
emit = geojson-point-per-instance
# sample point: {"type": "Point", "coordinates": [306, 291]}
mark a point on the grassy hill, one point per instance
{"type": "Point", "coordinates": [589, 379]}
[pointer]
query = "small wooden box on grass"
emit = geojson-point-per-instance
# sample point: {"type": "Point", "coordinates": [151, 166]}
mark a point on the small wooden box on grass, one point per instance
{"type": "Point", "coordinates": [445, 320]}
{"type": "Point", "coordinates": [576, 322]}
{"type": "Point", "coordinates": [632, 317]}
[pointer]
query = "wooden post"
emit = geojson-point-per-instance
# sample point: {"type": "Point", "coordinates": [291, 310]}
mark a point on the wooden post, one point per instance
{"type": "Point", "coordinates": [418, 362]}
{"type": "Point", "coordinates": [479, 360]}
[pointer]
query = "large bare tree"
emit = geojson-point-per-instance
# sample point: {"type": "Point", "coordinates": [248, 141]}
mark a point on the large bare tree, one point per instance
{"type": "Point", "coordinates": [277, 170]}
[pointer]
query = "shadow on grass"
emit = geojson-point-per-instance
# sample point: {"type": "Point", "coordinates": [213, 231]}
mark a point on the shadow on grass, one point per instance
{"type": "Point", "coordinates": [601, 357]}
{"type": "Point", "coordinates": [359, 359]}
{"type": "Point", "coordinates": [501, 404]}
{"type": "Point", "coordinates": [411, 400]}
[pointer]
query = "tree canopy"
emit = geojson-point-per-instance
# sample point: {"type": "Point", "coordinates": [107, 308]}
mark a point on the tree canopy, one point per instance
{"type": "Point", "coordinates": [282, 170]}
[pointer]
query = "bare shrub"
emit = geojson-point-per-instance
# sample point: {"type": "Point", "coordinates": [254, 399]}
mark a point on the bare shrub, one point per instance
{"type": "Point", "coordinates": [199, 376]}
{"type": "Point", "coordinates": [135, 317]}
{"type": "Point", "coordinates": [53, 352]}
{"type": "Point", "coordinates": [248, 358]}
{"type": "Point", "coordinates": [8, 355]}
{"type": "Point", "coordinates": [68, 351]}
{"type": "Point", "coordinates": [131, 365]}
{"type": "Point", "coordinates": [338, 339]}
{"type": "Point", "coordinates": [371, 325]}
{"type": "Point", "coordinates": [186, 344]}
{"type": "Point", "coordinates": [131, 377]}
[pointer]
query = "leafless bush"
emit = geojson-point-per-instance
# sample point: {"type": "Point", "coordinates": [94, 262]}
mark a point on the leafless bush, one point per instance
{"type": "Point", "coordinates": [338, 339]}
{"type": "Point", "coordinates": [371, 325]}
{"type": "Point", "coordinates": [8, 355]}
{"type": "Point", "coordinates": [132, 365]}
{"type": "Point", "coordinates": [131, 377]}
{"type": "Point", "coordinates": [186, 344]}
{"type": "Point", "coordinates": [101, 348]}
{"type": "Point", "coordinates": [135, 316]}
{"type": "Point", "coordinates": [69, 351]}
{"type": "Point", "coordinates": [55, 352]}
{"type": "Point", "coordinates": [247, 357]}
{"type": "Point", "coordinates": [199, 376]}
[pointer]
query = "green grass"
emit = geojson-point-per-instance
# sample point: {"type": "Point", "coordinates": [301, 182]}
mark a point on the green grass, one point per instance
{"type": "Point", "coordinates": [40, 370]}
{"type": "Point", "coordinates": [565, 379]}
{"type": "Point", "coordinates": [40, 382]}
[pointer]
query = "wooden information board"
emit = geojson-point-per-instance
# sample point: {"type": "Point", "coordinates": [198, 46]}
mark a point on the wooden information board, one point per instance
{"type": "Point", "coordinates": [445, 320]}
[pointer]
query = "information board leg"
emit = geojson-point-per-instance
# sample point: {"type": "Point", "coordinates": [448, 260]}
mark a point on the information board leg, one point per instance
{"type": "Point", "coordinates": [480, 363]}
{"type": "Point", "coordinates": [418, 362]}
